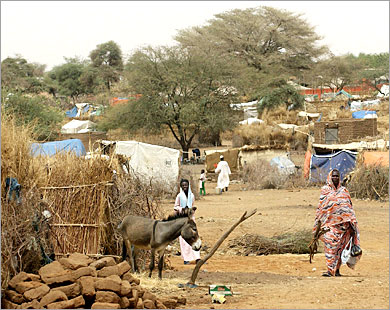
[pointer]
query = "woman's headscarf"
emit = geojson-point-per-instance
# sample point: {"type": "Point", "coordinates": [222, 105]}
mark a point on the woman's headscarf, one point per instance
{"type": "Point", "coordinates": [335, 204]}
{"type": "Point", "coordinates": [184, 201]}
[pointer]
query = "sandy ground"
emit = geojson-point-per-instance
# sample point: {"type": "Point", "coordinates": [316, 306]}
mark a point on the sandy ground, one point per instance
{"type": "Point", "coordinates": [285, 281]}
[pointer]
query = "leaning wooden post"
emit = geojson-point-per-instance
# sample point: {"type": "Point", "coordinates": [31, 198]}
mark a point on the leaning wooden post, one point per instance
{"type": "Point", "coordinates": [216, 246]}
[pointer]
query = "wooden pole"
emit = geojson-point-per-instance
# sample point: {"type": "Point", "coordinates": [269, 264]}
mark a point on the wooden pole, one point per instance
{"type": "Point", "coordinates": [216, 246]}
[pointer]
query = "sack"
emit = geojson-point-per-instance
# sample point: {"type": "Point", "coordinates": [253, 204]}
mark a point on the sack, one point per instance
{"type": "Point", "coordinates": [346, 254]}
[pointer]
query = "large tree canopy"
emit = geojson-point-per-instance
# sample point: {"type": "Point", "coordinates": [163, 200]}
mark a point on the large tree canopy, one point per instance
{"type": "Point", "coordinates": [107, 58]}
{"type": "Point", "coordinates": [181, 90]}
{"type": "Point", "coordinates": [273, 42]}
{"type": "Point", "coordinates": [21, 76]}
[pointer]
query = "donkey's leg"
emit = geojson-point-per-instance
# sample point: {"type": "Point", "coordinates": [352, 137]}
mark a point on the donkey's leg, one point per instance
{"type": "Point", "coordinates": [130, 254]}
{"type": "Point", "coordinates": [134, 258]}
{"type": "Point", "coordinates": [124, 251]}
{"type": "Point", "coordinates": [151, 266]}
{"type": "Point", "coordinates": [160, 262]}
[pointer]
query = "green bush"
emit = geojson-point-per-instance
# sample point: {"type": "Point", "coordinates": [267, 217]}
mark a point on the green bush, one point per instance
{"type": "Point", "coordinates": [283, 95]}
{"type": "Point", "coordinates": [36, 110]}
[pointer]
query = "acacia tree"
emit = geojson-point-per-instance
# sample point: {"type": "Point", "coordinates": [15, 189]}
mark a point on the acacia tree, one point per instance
{"type": "Point", "coordinates": [181, 90]}
{"type": "Point", "coordinates": [276, 43]}
{"type": "Point", "coordinates": [375, 69]}
{"type": "Point", "coordinates": [107, 58]}
{"type": "Point", "coordinates": [17, 74]}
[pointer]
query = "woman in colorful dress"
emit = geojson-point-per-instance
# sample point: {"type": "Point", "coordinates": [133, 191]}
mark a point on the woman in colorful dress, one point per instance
{"type": "Point", "coordinates": [185, 199]}
{"type": "Point", "coordinates": [337, 218]}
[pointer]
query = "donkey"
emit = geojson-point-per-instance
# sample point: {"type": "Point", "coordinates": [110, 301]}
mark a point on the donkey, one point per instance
{"type": "Point", "coordinates": [146, 233]}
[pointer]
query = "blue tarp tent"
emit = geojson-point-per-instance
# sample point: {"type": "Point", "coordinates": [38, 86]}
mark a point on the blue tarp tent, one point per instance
{"type": "Point", "coordinates": [52, 148]}
{"type": "Point", "coordinates": [71, 113]}
{"type": "Point", "coordinates": [364, 114]}
{"type": "Point", "coordinates": [321, 165]}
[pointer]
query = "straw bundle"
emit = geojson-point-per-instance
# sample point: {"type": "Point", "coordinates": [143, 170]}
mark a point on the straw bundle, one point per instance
{"type": "Point", "coordinates": [295, 243]}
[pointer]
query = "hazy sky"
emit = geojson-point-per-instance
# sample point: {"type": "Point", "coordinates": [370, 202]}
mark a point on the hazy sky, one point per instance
{"type": "Point", "coordinates": [46, 31]}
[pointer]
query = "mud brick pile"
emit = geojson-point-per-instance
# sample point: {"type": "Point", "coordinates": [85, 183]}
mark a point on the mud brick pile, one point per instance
{"type": "Point", "coordinates": [80, 282]}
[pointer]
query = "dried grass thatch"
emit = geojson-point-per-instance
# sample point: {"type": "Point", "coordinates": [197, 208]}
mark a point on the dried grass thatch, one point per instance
{"type": "Point", "coordinates": [295, 243]}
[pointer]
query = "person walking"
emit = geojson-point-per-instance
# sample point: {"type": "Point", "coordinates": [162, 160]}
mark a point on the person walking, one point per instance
{"type": "Point", "coordinates": [185, 199]}
{"type": "Point", "coordinates": [337, 218]}
{"type": "Point", "coordinates": [202, 180]}
{"type": "Point", "coordinates": [223, 178]}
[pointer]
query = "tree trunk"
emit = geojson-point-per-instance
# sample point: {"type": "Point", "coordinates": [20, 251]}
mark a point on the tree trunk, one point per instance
{"type": "Point", "coordinates": [216, 246]}
{"type": "Point", "coordinates": [185, 149]}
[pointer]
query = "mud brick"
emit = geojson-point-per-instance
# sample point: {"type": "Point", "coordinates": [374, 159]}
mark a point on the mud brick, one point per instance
{"type": "Point", "coordinates": [83, 271]}
{"type": "Point", "coordinates": [20, 277]}
{"type": "Point", "coordinates": [125, 288]}
{"type": "Point", "coordinates": [150, 296]}
{"type": "Point", "coordinates": [107, 297]}
{"type": "Point", "coordinates": [140, 304]}
{"type": "Point", "coordinates": [108, 271]}
{"type": "Point", "coordinates": [129, 277]}
{"type": "Point", "coordinates": [105, 305]}
{"type": "Point", "coordinates": [123, 267]}
{"type": "Point", "coordinates": [22, 287]}
{"type": "Point", "coordinates": [169, 303]}
{"type": "Point", "coordinates": [15, 297]}
{"type": "Point", "coordinates": [6, 304]}
{"type": "Point", "coordinates": [51, 297]}
{"type": "Point", "coordinates": [124, 303]}
{"type": "Point", "coordinates": [70, 291]}
{"type": "Point", "coordinates": [30, 305]}
{"type": "Point", "coordinates": [149, 304]}
{"type": "Point", "coordinates": [103, 262]}
{"type": "Point", "coordinates": [160, 305]}
{"type": "Point", "coordinates": [111, 283]}
{"type": "Point", "coordinates": [87, 285]}
{"type": "Point", "coordinates": [54, 273]}
{"type": "Point", "coordinates": [36, 293]}
{"type": "Point", "coordinates": [67, 304]}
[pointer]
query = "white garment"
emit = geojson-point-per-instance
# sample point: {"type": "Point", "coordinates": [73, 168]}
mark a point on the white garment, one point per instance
{"type": "Point", "coordinates": [202, 178]}
{"type": "Point", "coordinates": [223, 178]}
{"type": "Point", "coordinates": [187, 253]}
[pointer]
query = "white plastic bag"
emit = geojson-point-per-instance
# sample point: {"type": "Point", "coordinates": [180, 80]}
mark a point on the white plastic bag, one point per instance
{"type": "Point", "coordinates": [346, 254]}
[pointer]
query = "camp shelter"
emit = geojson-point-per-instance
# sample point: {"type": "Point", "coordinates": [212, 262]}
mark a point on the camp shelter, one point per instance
{"type": "Point", "coordinates": [51, 148]}
{"type": "Point", "coordinates": [321, 165]}
{"type": "Point", "coordinates": [251, 120]}
{"type": "Point", "coordinates": [230, 155]}
{"type": "Point", "coordinates": [384, 91]}
{"type": "Point", "coordinates": [149, 162]}
{"type": "Point", "coordinates": [285, 166]}
{"type": "Point", "coordinates": [364, 114]}
{"type": "Point", "coordinates": [78, 110]}
{"type": "Point", "coordinates": [77, 126]}
{"type": "Point", "coordinates": [377, 145]}
{"type": "Point", "coordinates": [344, 130]}
{"type": "Point", "coordinates": [372, 158]}
{"type": "Point", "coordinates": [368, 104]}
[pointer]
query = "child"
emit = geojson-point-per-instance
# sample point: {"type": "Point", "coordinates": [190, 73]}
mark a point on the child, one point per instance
{"type": "Point", "coordinates": [185, 199]}
{"type": "Point", "coordinates": [202, 180]}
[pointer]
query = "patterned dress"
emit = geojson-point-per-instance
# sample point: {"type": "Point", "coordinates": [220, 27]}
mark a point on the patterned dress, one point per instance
{"type": "Point", "coordinates": [336, 213]}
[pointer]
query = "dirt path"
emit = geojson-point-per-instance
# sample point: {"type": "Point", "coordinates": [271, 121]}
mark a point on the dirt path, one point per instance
{"type": "Point", "coordinates": [284, 281]}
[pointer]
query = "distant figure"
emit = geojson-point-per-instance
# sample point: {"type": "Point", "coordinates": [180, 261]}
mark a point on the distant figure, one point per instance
{"type": "Point", "coordinates": [202, 180]}
{"type": "Point", "coordinates": [196, 152]}
{"type": "Point", "coordinates": [224, 170]}
{"type": "Point", "coordinates": [185, 199]}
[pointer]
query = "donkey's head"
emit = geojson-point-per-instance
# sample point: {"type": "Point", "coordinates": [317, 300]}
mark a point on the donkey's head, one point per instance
{"type": "Point", "coordinates": [189, 232]}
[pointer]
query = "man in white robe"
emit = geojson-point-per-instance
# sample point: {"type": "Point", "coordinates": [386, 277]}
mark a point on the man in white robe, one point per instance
{"type": "Point", "coordinates": [224, 170]}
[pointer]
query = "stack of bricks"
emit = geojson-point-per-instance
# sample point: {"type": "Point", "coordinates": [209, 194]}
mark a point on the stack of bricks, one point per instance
{"type": "Point", "coordinates": [349, 130]}
{"type": "Point", "coordinates": [80, 282]}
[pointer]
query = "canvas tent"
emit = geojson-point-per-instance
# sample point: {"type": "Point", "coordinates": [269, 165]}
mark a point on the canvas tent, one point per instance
{"type": "Point", "coordinates": [359, 105]}
{"type": "Point", "coordinates": [231, 156]}
{"type": "Point", "coordinates": [384, 90]}
{"type": "Point", "coordinates": [51, 148]}
{"type": "Point", "coordinates": [321, 165]}
{"type": "Point", "coordinates": [150, 162]}
{"type": "Point", "coordinates": [251, 120]}
{"type": "Point", "coordinates": [77, 126]}
{"type": "Point", "coordinates": [78, 110]}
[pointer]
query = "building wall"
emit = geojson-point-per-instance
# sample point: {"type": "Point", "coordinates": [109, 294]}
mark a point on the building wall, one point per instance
{"type": "Point", "coordinates": [348, 129]}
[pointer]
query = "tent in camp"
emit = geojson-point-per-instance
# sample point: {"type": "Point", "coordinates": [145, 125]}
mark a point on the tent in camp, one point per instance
{"type": "Point", "coordinates": [51, 148]}
{"type": "Point", "coordinates": [77, 126]}
{"type": "Point", "coordinates": [78, 110]}
{"type": "Point", "coordinates": [384, 90]}
{"type": "Point", "coordinates": [150, 162]}
{"type": "Point", "coordinates": [364, 114]}
{"type": "Point", "coordinates": [251, 120]}
{"type": "Point", "coordinates": [321, 165]}
{"type": "Point", "coordinates": [284, 165]}
{"type": "Point", "coordinates": [359, 105]}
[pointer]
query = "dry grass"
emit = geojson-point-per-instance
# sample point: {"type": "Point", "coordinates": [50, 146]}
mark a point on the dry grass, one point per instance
{"type": "Point", "coordinates": [157, 286]}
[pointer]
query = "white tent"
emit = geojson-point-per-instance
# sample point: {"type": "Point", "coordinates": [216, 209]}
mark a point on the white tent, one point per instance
{"type": "Point", "coordinates": [251, 120]}
{"type": "Point", "coordinates": [150, 162]}
{"type": "Point", "coordinates": [385, 90]}
{"type": "Point", "coordinates": [76, 126]}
